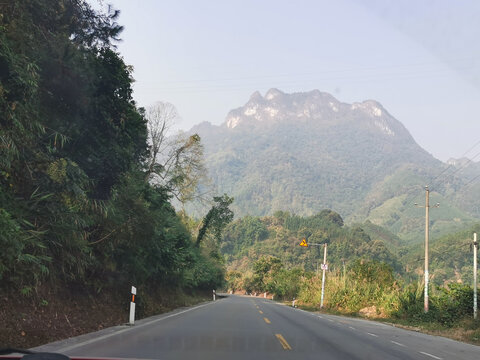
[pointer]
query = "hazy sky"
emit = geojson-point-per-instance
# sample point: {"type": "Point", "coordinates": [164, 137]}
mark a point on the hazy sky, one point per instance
{"type": "Point", "coordinates": [419, 58]}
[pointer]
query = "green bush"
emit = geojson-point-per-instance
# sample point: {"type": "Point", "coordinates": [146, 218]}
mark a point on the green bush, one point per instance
{"type": "Point", "coordinates": [447, 305]}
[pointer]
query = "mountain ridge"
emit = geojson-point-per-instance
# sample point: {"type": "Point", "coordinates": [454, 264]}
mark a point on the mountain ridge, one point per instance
{"type": "Point", "coordinates": [307, 151]}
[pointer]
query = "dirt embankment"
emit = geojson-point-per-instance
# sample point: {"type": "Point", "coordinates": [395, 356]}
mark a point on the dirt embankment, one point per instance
{"type": "Point", "coordinates": [47, 315]}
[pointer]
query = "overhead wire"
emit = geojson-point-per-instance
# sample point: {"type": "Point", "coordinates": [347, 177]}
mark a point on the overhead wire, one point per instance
{"type": "Point", "coordinates": [360, 78]}
{"type": "Point", "coordinates": [451, 165]}
{"type": "Point", "coordinates": [431, 181]}
{"type": "Point", "coordinates": [467, 163]}
{"type": "Point", "coordinates": [471, 181]}
{"type": "Point", "coordinates": [406, 71]}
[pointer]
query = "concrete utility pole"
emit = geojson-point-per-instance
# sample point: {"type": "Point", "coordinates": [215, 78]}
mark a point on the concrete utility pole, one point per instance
{"type": "Point", "coordinates": [475, 247]}
{"type": "Point", "coordinates": [427, 223]}
{"type": "Point", "coordinates": [427, 220]}
{"type": "Point", "coordinates": [324, 268]}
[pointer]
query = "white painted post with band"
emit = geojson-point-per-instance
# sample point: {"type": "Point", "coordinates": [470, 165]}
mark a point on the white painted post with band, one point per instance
{"type": "Point", "coordinates": [213, 295]}
{"type": "Point", "coordinates": [132, 306]}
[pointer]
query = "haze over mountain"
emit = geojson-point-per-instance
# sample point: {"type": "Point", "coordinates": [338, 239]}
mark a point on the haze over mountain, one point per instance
{"type": "Point", "coordinates": [304, 152]}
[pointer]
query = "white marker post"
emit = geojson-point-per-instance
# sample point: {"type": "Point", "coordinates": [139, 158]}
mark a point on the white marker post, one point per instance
{"type": "Point", "coordinates": [132, 306]}
{"type": "Point", "coordinates": [213, 295]}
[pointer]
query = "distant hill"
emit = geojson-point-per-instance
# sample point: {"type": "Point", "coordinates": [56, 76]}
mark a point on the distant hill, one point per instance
{"type": "Point", "coordinates": [249, 238]}
{"type": "Point", "coordinates": [304, 152]}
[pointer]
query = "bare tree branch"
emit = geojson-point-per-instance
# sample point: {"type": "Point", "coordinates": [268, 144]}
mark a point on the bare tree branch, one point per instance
{"type": "Point", "coordinates": [175, 161]}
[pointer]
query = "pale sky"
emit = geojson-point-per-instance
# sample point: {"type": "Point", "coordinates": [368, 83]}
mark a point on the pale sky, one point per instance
{"type": "Point", "coordinates": [419, 58]}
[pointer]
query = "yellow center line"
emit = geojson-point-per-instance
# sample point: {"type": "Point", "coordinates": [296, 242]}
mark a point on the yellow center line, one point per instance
{"type": "Point", "coordinates": [266, 320]}
{"type": "Point", "coordinates": [260, 311]}
{"type": "Point", "coordinates": [283, 342]}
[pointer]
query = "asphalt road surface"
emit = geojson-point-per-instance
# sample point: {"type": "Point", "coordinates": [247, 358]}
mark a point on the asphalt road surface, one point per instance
{"type": "Point", "coordinates": [239, 327]}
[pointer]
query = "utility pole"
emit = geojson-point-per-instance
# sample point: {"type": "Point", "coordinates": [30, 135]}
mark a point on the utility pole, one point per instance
{"type": "Point", "coordinates": [304, 243]}
{"type": "Point", "coordinates": [427, 219]}
{"type": "Point", "coordinates": [427, 223]}
{"type": "Point", "coordinates": [475, 247]}
{"type": "Point", "coordinates": [324, 268]}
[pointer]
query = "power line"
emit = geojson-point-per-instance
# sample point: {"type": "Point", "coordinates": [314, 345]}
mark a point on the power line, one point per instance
{"type": "Point", "coordinates": [467, 163]}
{"type": "Point", "coordinates": [432, 179]}
{"type": "Point", "coordinates": [471, 181]}
{"type": "Point", "coordinates": [427, 66]}
{"type": "Point", "coordinates": [450, 165]}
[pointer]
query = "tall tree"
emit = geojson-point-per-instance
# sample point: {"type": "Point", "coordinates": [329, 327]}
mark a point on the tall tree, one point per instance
{"type": "Point", "coordinates": [175, 161]}
{"type": "Point", "coordinates": [217, 218]}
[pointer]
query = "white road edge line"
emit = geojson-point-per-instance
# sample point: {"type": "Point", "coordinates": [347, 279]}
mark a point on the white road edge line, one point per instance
{"type": "Point", "coordinates": [87, 342]}
{"type": "Point", "coordinates": [372, 334]}
{"type": "Point", "coordinates": [351, 327]}
{"type": "Point", "coordinates": [397, 343]}
{"type": "Point", "coordinates": [432, 356]}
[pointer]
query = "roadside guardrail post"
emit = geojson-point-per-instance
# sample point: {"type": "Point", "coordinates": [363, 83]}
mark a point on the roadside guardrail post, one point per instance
{"type": "Point", "coordinates": [132, 306]}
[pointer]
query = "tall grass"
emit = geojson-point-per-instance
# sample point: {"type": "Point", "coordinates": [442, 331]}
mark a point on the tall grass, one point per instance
{"type": "Point", "coordinates": [350, 295]}
{"type": "Point", "coordinates": [449, 305]}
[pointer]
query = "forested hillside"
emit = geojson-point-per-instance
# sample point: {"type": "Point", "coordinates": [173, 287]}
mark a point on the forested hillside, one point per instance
{"type": "Point", "coordinates": [451, 257]}
{"type": "Point", "coordinates": [370, 270]}
{"type": "Point", "coordinates": [307, 151]}
{"type": "Point", "coordinates": [248, 239]}
{"type": "Point", "coordinates": [77, 204]}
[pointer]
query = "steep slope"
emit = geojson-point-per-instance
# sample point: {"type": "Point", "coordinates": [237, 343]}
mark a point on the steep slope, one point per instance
{"type": "Point", "coordinates": [304, 152]}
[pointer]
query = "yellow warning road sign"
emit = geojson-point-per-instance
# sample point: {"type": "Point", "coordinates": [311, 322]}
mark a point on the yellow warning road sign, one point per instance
{"type": "Point", "coordinates": [304, 243]}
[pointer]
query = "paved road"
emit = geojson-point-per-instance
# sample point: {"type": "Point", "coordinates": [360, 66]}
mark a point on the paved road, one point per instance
{"type": "Point", "coordinates": [253, 328]}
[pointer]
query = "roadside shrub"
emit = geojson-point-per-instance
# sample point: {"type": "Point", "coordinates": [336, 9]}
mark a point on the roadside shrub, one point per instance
{"type": "Point", "coordinates": [448, 305]}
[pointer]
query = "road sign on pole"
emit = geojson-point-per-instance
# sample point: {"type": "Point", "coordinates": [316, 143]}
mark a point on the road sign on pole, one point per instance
{"type": "Point", "coordinates": [304, 243]}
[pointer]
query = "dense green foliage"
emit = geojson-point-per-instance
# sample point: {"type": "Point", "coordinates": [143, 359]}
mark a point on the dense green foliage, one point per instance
{"type": "Point", "coordinates": [75, 205]}
{"type": "Point", "coordinates": [248, 239]}
{"type": "Point", "coordinates": [364, 276]}
{"type": "Point", "coordinates": [451, 257]}
{"type": "Point", "coordinates": [217, 218]}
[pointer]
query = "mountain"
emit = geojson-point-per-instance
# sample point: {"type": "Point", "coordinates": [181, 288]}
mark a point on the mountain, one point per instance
{"type": "Point", "coordinates": [304, 152]}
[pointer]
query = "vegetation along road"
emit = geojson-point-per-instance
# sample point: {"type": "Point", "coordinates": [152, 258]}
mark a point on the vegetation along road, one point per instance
{"type": "Point", "coordinates": [240, 326]}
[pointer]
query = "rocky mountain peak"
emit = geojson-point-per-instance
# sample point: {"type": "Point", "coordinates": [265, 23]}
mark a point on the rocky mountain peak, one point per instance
{"type": "Point", "coordinates": [255, 97]}
{"type": "Point", "coordinates": [273, 93]}
{"type": "Point", "coordinates": [318, 107]}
